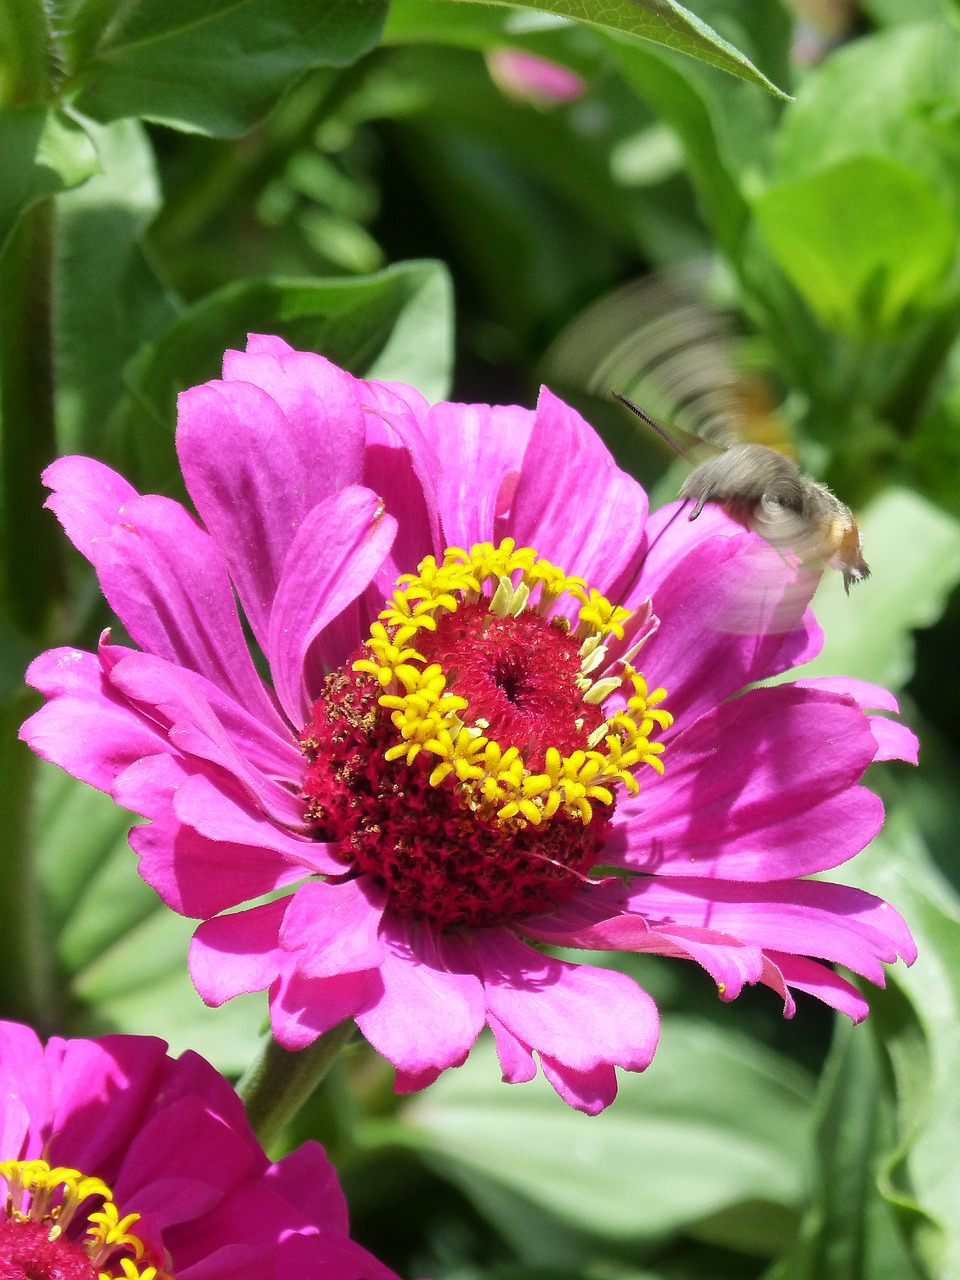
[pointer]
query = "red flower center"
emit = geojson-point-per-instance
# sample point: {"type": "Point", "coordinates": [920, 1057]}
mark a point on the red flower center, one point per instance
{"type": "Point", "coordinates": [468, 765]}
{"type": "Point", "coordinates": [28, 1253]}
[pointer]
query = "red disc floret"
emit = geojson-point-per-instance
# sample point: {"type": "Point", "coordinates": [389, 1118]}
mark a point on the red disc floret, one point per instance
{"type": "Point", "coordinates": [438, 858]}
{"type": "Point", "coordinates": [28, 1253]}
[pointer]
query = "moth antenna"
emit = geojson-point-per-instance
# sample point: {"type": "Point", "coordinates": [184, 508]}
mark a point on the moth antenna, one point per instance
{"type": "Point", "coordinates": [662, 432]}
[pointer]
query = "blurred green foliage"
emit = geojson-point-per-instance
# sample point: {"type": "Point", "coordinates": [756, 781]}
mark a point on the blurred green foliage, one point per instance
{"type": "Point", "coordinates": [176, 175]}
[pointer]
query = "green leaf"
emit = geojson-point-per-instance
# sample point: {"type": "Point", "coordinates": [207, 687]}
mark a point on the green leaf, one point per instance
{"type": "Point", "coordinates": [894, 94]}
{"type": "Point", "coordinates": [121, 954]}
{"type": "Point", "coordinates": [914, 1170]}
{"type": "Point", "coordinates": [212, 68]}
{"type": "Point", "coordinates": [852, 1231]}
{"type": "Point", "coordinates": [865, 242]}
{"type": "Point", "coordinates": [396, 324]}
{"type": "Point", "coordinates": [42, 151]}
{"type": "Point", "coordinates": [678, 1147]}
{"type": "Point", "coordinates": [108, 300]}
{"type": "Point", "coordinates": [913, 550]}
{"type": "Point", "coordinates": [662, 22]}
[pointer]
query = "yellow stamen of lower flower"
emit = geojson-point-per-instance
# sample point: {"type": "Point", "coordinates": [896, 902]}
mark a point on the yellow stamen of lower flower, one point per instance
{"type": "Point", "coordinates": [428, 715]}
{"type": "Point", "coordinates": [54, 1195]}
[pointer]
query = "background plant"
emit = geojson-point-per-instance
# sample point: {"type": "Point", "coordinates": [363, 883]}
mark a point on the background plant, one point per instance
{"type": "Point", "coordinates": [176, 175]}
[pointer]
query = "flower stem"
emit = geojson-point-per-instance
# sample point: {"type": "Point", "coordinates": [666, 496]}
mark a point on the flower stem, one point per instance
{"type": "Point", "coordinates": [276, 1086]}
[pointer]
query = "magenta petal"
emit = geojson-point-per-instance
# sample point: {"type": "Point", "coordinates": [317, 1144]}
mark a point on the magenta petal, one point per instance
{"type": "Point", "coordinates": [729, 962]}
{"type": "Point", "coordinates": [195, 875]}
{"type": "Point", "coordinates": [303, 1008]}
{"type": "Point", "coordinates": [574, 504]}
{"type": "Point", "coordinates": [703, 651]}
{"type": "Point", "coordinates": [334, 928]}
{"type": "Point", "coordinates": [760, 788]}
{"type": "Point", "coordinates": [894, 740]}
{"type": "Point", "coordinates": [335, 554]}
{"type": "Point", "coordinates": [236, 953]}
{"type": "Point", "coordinates": [84, 728]}
{"type": "Point", "coordinates": [259, 451]}
{"type": "Point", "coordinates": [580, 1016]}
{"type": "Point", "coordinates": [517, 1062]}
{"type": "Point", "coordinates": [211, 730]}
{"type": "Point", "coordinates": [86, 498]}
{"type": "Point", "coordinates": [479, 446]}
{"type": "Point", "coordinates": [306, 1178]}
{"type": "Point", "coordinates": [403, 469]}
{"type": "Point", "coordinates": [180, 1140]}
{"type": "Point", "coordinates": [164, 578]}
{"type": "Point", "coordinates": [823, 983]}
{"type": "Point", "coordinates": [588, 1091]}
{"type": "Point", "coordinates": [800, 917]}
{"type": "Point", "coordinates": [428, 1016]}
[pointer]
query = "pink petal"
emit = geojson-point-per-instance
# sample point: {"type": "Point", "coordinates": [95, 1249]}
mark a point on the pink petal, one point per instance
{"type": "Point", "coordinates": [237, 953]}
{"type": "Point", "coordinates": [478, 446]}
{"type": "Point", "coordinates": [195, 874]}
{"type": "Point", "coordinates": [212, 728]}
{"type": "Point", "coordinates": [303, 1008]}
{"type": "Point", "coordinates": [200, 1158]}
{"type": "Point", "coordinates": [162, 576]}
{"type": "Point", "coordinates": [404, 470]}
{"type": "Point", "coordinates": [819, 981]}
{"type": "Point", "coordinates": [428, 1016]}
{"type": "Point", "coordinates": [700, 653]}
{"type": "Point", "coordinates": [574, 504]}
{"type": "Point", "coordinates": [585, 921]}
{"type": "Point", "coordinates": [125, 1069]}
{"type": "Point", "coordinates": [335, 554]}
{"type": "Point", "coordinates": [580, 1016]}
{"type": "Point", "coordinates": [261, 449]}
{"type": "Point", "coordinates": [588, 1091]}
{"type": "Point", "coordinates": [801, 917]}
{"type": "Point", "coordinates": [84, 728]}
{"type": "Point", "coordinates": [760, 788]}
{"type": "Point", "coordinates": [517, 1062]}
{"type": "Point", "coordinates": [894, 741]}
{"type": "Point", "coordinates": [334, 928]}
{"type": "Point", "coordinates": [305, 1178]}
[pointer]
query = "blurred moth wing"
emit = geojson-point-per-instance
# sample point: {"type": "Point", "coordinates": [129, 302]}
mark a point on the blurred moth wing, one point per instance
{"type": "Point", "coordinates": [766, 492]}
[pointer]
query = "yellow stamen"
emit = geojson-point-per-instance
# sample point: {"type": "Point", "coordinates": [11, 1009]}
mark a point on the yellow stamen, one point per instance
{"type": "Point", "coordinates": [429, 717]}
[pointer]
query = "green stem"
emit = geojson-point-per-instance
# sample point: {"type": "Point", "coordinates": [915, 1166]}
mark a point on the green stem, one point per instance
{"type": "Point", "coordinates": [31, 547]}
{"type": "Point", "coordinates": [276, 1086]}
{"type": "Point", "coordinates": [28, 60]}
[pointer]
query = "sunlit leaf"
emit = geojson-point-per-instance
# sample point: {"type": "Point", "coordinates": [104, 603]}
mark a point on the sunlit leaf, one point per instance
{"type": "Point", "coordinates": [214, 68]}
{"type": "Point", "coordinates": [862, 241]}
{"type": "Point", "coordinates": [121, 954]}
{"type": "Point", "coordinates": [42, 151]}
{"type": "Point", "coordinates": [678, 1146]}
{"type": "Point", "coordinates": [663, 22]}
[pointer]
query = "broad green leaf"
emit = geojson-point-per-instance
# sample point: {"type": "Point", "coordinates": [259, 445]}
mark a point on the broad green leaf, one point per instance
{"type": "Point", "coordinates": [913, 550]}
{"type": "Point", "coordinates": [679, 1146]}
{"type": "Point", "coordinates": [121, 954]}
{"type": "Point", "coordinates": [851, 1232]}
{"type": "Point", "coordinates": [662, 22]}
{"type": "Point", "coordinates": [894, 94]}
{"type": "Point", "coordinates": [918, 1027]}
{"type": "Point", "coordinates": [212, 68]}
{"type": "Point", "coordinates": [107, 298]}
{"type": "Point", "coordinates": [42, 151]}
{"type": "Point", "coordinates": [864, 242]}
{"type": "Point", "coordinates": [396, 324]}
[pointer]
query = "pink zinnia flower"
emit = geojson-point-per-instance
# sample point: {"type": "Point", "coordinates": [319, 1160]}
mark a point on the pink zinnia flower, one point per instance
{"type": "Point", "coordinates": [117, 1160]}
{"type": "Point", "coordinates": [459, 761]}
